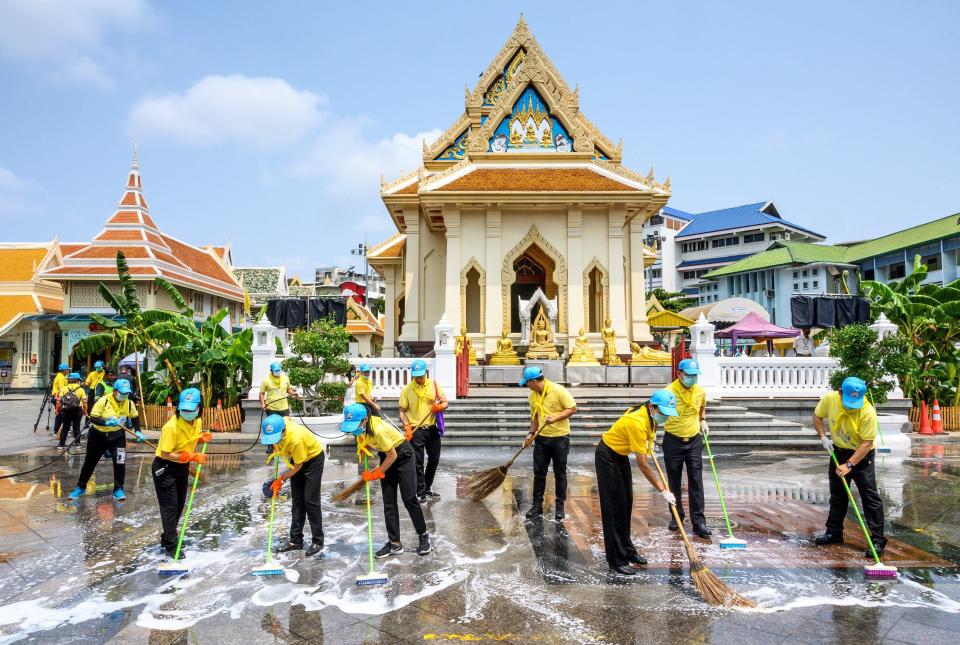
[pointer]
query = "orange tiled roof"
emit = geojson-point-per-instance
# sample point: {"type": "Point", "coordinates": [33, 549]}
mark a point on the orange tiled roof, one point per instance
{"type": "Point", "coordinates": [111, 252]}
{"type": "Point", "coordinates": [535, 180]}
{"type": "Point", "coordinates": [409, 190]}
{"type": "Point", "coordinates": [68, 248]}
{"type": "Point", "coordinates": [51, 305]}
{"type": "Point", "coordinates": [19, 264]}
{"type": "Point", "coordinates": [392, 247]}
{"type": "Point", "coordinates": [200, 261]}
{"type": "Point", "coordinates": [106, 271]}
{"type": "Point", "coordinates": [13, 306]}
{"type": "Point", "coordinates": [122, 235]}
{"type": "Point", "coordinates": [125, 218]}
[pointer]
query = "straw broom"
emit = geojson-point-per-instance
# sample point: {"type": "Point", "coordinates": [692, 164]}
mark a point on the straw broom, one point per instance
{"type": "Point", "coordinates": [350, 490]}
{"type": "Point", "coordinates": [487, 481]}
{"type": "Point", "coordinates": [713, 590]}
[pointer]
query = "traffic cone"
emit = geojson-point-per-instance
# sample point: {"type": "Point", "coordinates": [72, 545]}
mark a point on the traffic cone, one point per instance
{"type": "Point", "coordinates": [169, 407]}
{"type": "Point", "coordinates": [924, 420]}
{"type": "Point", "coordinates": [937, 420]}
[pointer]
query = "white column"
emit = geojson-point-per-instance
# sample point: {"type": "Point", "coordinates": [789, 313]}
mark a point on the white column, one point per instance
{"type": "Point", "coordinates": [575, 265]}
{"type": "Point", "coordinates": [264, 353]}
{"type": "Point", "coordinates": [389, 313]}
{"type": "Point", "coordinates": [617, 306]}
{"type": "Point", "coordinates": [445, 362]}
{"type": "Point", "coordinates": [451, 306]}
{"type": "Point", "coordinates": [703, 348]}
{"type": "Point", "coordinates": [494, 290]}
{"type": "Point", "coordinates": [412, 283]}
{"type": "Point", "coordinates": [639, 328]}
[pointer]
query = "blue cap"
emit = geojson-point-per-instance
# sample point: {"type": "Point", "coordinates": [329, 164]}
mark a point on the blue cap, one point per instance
{"type": "Point", "coordinates": [63, 366]}
{"type": "Point", "coordinates": [276, 367]}
{"type": "Point", "coordinates": [666, 402]}
{"type": "Point", "coordinates": [189, 399]}
{"type": "Point", "coordinates": [271, 429]}
{"type": "Point", "coordinates": [852, 392]}
{"type": "Point", "coordinates": [364, 367]}
{"type": "Point", "coordinates": [530, 373]}
{"type": "Point", "coordinates": [689, 365]}
{"type": "Point", "coordinates": [74, 376]}
{"type": "Point", "coordinates": [98, 365]}
{"type": "Point", "coordinates": [418, 368]}
{"type": "Point", "coordinates": [353, 416]}
{"type": "Point", "coordinates": [122, 386]}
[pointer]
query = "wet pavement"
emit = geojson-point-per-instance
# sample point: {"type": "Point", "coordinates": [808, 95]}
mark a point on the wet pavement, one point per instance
{"type": "Point", "coordinates": [86, 571]}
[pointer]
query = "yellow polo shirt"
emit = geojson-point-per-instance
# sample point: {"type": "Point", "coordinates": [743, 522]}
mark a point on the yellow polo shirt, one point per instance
{"type": "Point", "coordinates": [275, 391]}
{"type": "Point", "coordinates": [93, 378]}
{"type": "Point", "coordinates": [298, 445]}
{"type": "Point", "coordinates": [76, 388]}
{"type": "Point", "coordinates": [108, 407]}
{"type": "Point", "coordinates": [848, 428]}
{"type": "Point", "coordinates": [689, 402]}
{"type": "Point", "coordinates": [59, 382]}
{"type": "Point", "coordinates": [381, 436]}
{"type": "Point", "coordinates": [178, 435]}
{"type": "Point", "coordinates": [362, 387]}
{"type": "Point", "coordinates": [554, 400]}
{"type": "Point", "coordinates": [417, 401]}
{"type": "Point", "coordinates": [632, 432]}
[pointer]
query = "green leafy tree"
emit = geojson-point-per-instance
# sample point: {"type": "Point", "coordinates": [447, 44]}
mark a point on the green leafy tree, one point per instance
{"type": "Point", "coordinates": [860, 354]}
{"type": "Point", "coordinates": [674, 301]}
{"type": "Point", "coordinates": [376, 305]}
{"type": "Point", "coordinates": [319, 357]}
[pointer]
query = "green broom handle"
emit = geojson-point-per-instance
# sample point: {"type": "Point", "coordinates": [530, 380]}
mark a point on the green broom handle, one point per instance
{"type": "Point", "coordinates": [273, 506]}
{"type": "Point", "coordinates": [716, 480]}
{"type": "Point", "coordinates": [856, 510]}
{"type": "Point", "coordinates": [366, 486]}
{"type": "Point", "coordinates": [186, 516]}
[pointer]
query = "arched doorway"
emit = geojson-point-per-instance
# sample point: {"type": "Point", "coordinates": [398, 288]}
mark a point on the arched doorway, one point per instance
{"type": "Point", "coordinates": [532, 270]}
{"type": "Point", "coordinates": [595, 305]}
{"type": "Point", "coordinates": [472, 297]}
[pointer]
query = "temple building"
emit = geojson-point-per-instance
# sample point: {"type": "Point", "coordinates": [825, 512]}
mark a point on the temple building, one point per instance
{"type": "Point", "coordinates": [521, 206]}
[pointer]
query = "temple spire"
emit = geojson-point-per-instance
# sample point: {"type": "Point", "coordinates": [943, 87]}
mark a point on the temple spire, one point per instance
{"type": "Point", "coordinates": [136, 162]}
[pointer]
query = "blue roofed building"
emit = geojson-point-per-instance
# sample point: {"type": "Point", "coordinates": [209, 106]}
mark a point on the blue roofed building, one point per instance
{"type": "Point", "coordinates": [659, 233]}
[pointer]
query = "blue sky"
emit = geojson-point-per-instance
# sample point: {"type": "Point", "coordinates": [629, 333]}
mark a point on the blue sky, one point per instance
{"type": "Point", "coordinates": [269, 124]}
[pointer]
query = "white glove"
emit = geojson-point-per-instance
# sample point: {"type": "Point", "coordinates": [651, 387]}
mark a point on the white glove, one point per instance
{"type": "Point", "coordinates": [826, 443]}
{"type": "Point", "coordinates": [667, 495]}
{"type": "Point", "coordinates": [704, 428]}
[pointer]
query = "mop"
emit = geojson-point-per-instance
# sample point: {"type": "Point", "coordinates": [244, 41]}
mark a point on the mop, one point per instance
{"type": "Point", "coordinates": [270, 568]}
{"type": "Point", "coordinates": [177, 568]}
{"type": "Point", "coordinates": [371, 578]}
{"type": "Point", "coordinates": [877, 570]}
{"type": "Point", "coordinates": [729, 542]}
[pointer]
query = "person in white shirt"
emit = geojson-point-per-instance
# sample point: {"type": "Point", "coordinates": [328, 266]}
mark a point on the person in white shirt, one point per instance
{"type": "Point", "coordinates": [803, 345]}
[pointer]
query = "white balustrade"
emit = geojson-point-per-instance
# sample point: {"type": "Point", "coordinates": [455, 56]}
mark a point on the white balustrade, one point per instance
{"type": "Point", "coordinates": [774, 376]}
{"type": "Point", "coordinates": [390, 375]}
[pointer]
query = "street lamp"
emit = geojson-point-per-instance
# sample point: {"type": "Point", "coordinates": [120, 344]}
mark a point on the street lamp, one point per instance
{"type": "Point", "coordinates": [361, 249]}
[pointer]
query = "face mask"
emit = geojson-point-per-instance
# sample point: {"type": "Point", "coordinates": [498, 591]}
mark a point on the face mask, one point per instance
{"type": "Point", "coordinates": [189, 415]}
{"type": "Point", "coordinates": [688, 380]}
{"type": "Point", "coordinates": [659, 418]}
{"type": "Point", "coordinates": [121, 397]}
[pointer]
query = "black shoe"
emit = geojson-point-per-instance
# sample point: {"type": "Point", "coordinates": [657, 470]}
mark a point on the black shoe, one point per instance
{"type": "Point", "coordinates": [636, 560]}
{"type": "Point", "coordinates": [289, 546]}
{"type": "Point", "coordinates": [879, 544]}
{"type": "Point", "coordinates": [535, 511]}
{"type": "Point", "coordinates": [424, 547]}
{"type": "Point", "coordinates": [422, 497]}
{"type": "Point", "coordinates": [623, 570]}
{"type": "Point", "coordinates": [673, 524]}
{"type": "Point", "coordinates": [389, 549]}
{"type": "Point", "coordinates": [701, 530]}
{"type": "Point", "coordinates": [828, 538]}
{"type": "Point", "coordinates": [313, 549]}
{"type": "Point", "coordinates": [558, 513]}
{"type": "Point", "coordinates": [433, 495]}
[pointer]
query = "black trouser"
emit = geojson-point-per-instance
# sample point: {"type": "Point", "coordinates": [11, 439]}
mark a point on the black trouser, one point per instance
{"type": "Point", "coordinates": [91, 400]}
{"type": "Point", "coordinates": [426, 439]}
{"type": "Point", "coordinates": [865, 477]}
{"type": "Point", "coordinates": [170, 480]}
{"type": "Point", "coordinates": [678, 453]}
{"type": "Point", "coordinates": [305, 500]}
{"type": "Point", "coordinates": [403, 475]}
{"type": "Point", "coordinates": [99, 442]}
{"type": "Point", "coordinates": [70, 419]}
{"type": "Point", "coordinates": [546, 450]}
{"type": "Point", "coordinates": [615, 485]}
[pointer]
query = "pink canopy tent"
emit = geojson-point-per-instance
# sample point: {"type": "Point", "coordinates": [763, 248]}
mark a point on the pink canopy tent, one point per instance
{"type": "Point", "coordinates": [753, 326]}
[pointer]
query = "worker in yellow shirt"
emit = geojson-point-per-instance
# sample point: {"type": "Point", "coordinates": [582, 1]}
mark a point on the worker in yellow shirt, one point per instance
{"type": "Point", "coordinates": [852, 423]}
{"type": "Point", "coordinates": [303, 454]}
{"type": "Point", "coordinates": [92, 381]}
{"type": "Point", "coordinates": [636, 432]}
{"type": "Point", "coordinates": [551, 407]}
{"type": "Point", "coordinates": [275, 389]}
{"type": "Point", "coordinates": [420, 402]}
{"type": "Point", "coordinates": [363, 390]}
{"type": "Point", "coordinates": [72, 406]}
{"type": "Point", "coordinates": [173, 463]}
{"type": "Point", "coordinates": [111, 417]}
{"type": "Point", "coordinates": [397, 470]}
{"type": "Point", "coordinates": [683, 445]}
{"type": "Point", "coordinates": [59, 382]}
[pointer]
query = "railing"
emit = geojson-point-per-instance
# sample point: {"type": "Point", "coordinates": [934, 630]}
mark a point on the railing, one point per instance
{"type": "Point", "coordinates": [389, 375]}
{"type": "Point", "coordinates": [775, 376]}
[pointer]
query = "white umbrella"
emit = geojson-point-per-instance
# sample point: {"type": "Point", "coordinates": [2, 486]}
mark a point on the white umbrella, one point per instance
{"type": "Point", "coordinates": [134, 359]}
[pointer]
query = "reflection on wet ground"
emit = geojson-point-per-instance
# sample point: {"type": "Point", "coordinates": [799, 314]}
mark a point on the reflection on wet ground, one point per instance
{"type": "Point", "coordinates": [86, 572]}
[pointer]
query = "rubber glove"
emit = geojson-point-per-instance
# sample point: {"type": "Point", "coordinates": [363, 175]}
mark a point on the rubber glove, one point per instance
{"type": "Point", "coordinates": [205, 437]}
{"type": "Point", "coordinates": [112, 422]}
{"type": "Point", "coordinates": [827, 443]}
{"type": "Point", "coordinates": [372, 475]}
{"type": "Point", "coordinates": [276, 486]}
{"type": "Point", "coordinates": [141, 437]}
{"type": "Point", "coordinates": [408, 431]}
{"type": "Point", "coordinates": [186, 456]}
{"type": "Point", "coordinates": [667, 495]}
{"type": "Point", "coordinates": [704, 428]}
{"type": "Point", "coordinates": [436, 407]}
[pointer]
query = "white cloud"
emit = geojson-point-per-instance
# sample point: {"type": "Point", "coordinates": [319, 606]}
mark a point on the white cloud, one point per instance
{"type": "Point", "coordinates": [351, 162]}
{"type": "Point", "coordinates": [64, 37]}
{"type": "Point", "coordinates": [258, 111]}
{"type": "Point", "coordinates": [17, 195]}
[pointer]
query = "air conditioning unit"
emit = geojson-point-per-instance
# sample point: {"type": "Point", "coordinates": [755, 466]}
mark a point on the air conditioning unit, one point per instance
{"type": "Point", "coordinates": [770, 293]}
{"type": "Point", "coordinates": [786, 235]}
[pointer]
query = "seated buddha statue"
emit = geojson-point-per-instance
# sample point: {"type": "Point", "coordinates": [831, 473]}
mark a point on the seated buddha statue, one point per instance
{"type": "Point", "coordinates": [648, 356]}
{"type": "Point", "coordinates": [582, 353]}
{"type": "Point", "coordinates": [609, 344]}
{"type": "Point", "coordinates": [505, 354]}
{"type": "Point", "coordinates": [541, 340]}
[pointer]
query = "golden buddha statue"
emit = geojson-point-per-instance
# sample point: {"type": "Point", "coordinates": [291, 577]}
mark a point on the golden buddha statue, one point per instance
{"type": "Point", "coordinates": [582, 353]}
{"type": "Point", "coordinates": [505, 354]}
{"type": "Point", "coordinates": [648, 356]}
{"type": "Point", "coordinates": [609, 344]}
{"type": "Point", "coordinates": [541, 340]}
{"type": "Point", "coordinates": [463, 342]}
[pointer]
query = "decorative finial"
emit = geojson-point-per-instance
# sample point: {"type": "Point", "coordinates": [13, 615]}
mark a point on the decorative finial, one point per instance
{"type": "Point", "coordinates": [650, 174]}
{"type": "Point", "coordinates": [136, 162]}
{"type": "Point", "coordinates": [383, 181]}
{"type": "Point", "coordinates": [666, 184]}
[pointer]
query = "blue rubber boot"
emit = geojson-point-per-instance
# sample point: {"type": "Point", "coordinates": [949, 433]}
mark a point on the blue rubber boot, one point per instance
{"type": "Point", "coordinates": [119, 495]}
{"type": "Point", "coordinates": [76, 493]}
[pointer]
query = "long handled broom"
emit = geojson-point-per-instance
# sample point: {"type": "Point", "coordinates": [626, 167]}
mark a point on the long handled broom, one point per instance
{"type": "Point", "coordinates": [487, 481]}
{"type": "Point", "coordinates": [878, 569]}
{"type": "Point", "coordinates": [176, 567]}
{"type": "Point", "coordinates": [728, 542]}
{"type": "Point", "coordinates": [713, 590]}
{"type": "Point", "coordinates": [270, 568]}
{"type": "Point", "coordinates": [348, 492]}
{"type": "Point", "coordinates": [371, 578]}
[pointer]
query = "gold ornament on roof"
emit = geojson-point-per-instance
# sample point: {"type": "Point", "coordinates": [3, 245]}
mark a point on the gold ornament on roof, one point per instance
{"type": "Point", "coordinates": [531, 126]}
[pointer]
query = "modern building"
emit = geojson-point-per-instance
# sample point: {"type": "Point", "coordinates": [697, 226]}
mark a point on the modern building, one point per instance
{"type": "Point", "coordinates": [660, 233]}
{"type": "Point", "coordinates": [521, 193]}
{"type": "Point", "coordinates": [891, 257]}
{"type": "Point", "coordinates": [338, 276]}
